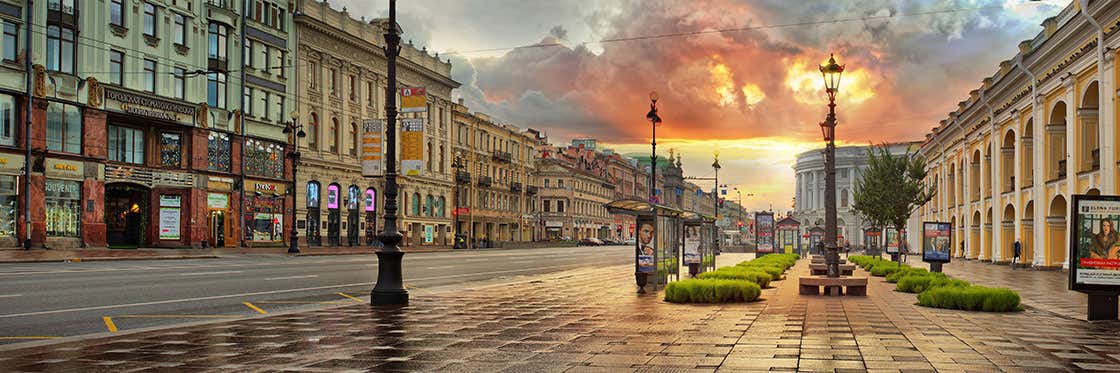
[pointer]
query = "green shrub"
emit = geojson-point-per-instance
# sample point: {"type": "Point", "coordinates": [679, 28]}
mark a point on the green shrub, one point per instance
{"type": "Point", "coordinates": [971, 298]}
{"type": "Point", "coordinates": [711, 291]}
{"type": "Point", "coordinates": [884, 269]}
{"type": "Point", "coordinates": [906, 271]}
{"type": "Point", "coordinates": [762, 279]}
{"type": "Point", "coordinates": [774, 271]}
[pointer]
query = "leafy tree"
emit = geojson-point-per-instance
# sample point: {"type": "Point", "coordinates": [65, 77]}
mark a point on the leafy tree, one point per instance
{"type": "Point", "coordinates": [891, 187]}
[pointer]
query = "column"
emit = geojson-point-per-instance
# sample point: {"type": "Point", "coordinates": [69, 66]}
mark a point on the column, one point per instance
{"type": "Point", "coordinates": [984, 237]}
{"type": "Point", "coordinates": [1072, 163]}
{"type": "Point", "coordinates": [996, 189]}
{"type": "Point", "coordinates": [1106, 125]}
{"type": "Point", "coordinates": [1041, 205]}
{"type": "Point", "coordinates": [1020, 203]}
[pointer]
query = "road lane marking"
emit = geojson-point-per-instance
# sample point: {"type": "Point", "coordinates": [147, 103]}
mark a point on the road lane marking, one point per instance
{"type": "Point", "coordinates": [255, 308]}
{"type": "Point", "coordinates": [290, 277]}
{"type": "Point", "coordinates": [16, 338]}
{"type": "Point", "coordinates": [441, 267]}
{"type": "Point", "coordinates": [208, 273]}
{"type": "Point", "coordinates": [109, 324]}
{"type": "Point", "coordinates": [301, 302]}
{"type": "Point", "coordinates": [531, 270]}
{"type": "Point", "coordinates": [351, 297]}
{"type": "Point", "coordinates": [176, 316]}
{"type": "Point", "coordinates": [11, 295]}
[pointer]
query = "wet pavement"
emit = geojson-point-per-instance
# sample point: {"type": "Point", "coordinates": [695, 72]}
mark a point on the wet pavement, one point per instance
{"type": "Point", "coordinates": [591, 320]}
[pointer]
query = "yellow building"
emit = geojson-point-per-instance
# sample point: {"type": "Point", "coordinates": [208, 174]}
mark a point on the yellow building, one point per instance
{"type": "Point", "coordinates": [1039, 130]}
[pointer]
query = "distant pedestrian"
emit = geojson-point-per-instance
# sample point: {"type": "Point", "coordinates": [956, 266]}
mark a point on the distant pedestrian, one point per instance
{"type": "Point", "coordinates": [1018, 251]}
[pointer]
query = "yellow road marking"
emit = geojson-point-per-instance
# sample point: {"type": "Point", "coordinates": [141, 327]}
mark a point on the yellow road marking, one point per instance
{"type": "Point", "coordinates": [299, 302]}
{"type": "Point", "coordinates": [109, 324]}
{"type": "Point", "coordinates": [28, 337]}
{"type": "Point", "coordinates": [351, 297]}
{"type": "Point", "coordinates": [255, 308]}
{"type": "Point", "coordinates": [176, 316]}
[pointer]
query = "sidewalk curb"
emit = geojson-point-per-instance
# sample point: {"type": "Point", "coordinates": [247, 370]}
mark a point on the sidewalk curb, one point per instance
{"type": "Point", "coordinates": [235, 254]}
{"type": "Point", "coordinates": [108, 259]}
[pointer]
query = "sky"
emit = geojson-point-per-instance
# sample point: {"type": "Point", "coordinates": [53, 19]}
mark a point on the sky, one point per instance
{"type": "Point", "coordinates": [735, 76]}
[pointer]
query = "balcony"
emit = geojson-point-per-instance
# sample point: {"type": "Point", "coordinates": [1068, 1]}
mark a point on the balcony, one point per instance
{"type": "Point", "coordinates": [532, 190]}
{"type": "Point", "coordinates": [485, 181]}
{"type": "Point", "coordinates": [220, 64]}
{"type": "Point", "coordinates": [515, 187]}
{"type": "Point", "coordinates": [462, 177]}
{"type": "Point", "coordinates": [502, 156]}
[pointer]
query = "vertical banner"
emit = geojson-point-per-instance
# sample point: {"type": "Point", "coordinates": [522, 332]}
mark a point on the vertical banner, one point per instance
{"type": "Point", "coordinates": [764, 232]}
{"type": "Point", "coordinates": [414, 100]}
{"type": "Point", "coordinates": [332, 196]}
{"type": "Point", "coordinates": [429, 234]}
{"type": "Point", "coordinates": [692, 244]}
{"type": "Point", "coordinates": [1094, 253]}
{"type": "Point", "coordinates": [412, 146]}
{"type": "Point", "coordinates": [372, 154]}
{"type": "Point", "coordinates": [937, 239]}
{"type": "Point", "coordinates": [892, 240]}
{"type": "Point", "coordinates": [646, 248]}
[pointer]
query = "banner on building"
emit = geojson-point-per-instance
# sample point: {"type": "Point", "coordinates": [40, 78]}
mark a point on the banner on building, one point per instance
{"type": "Point", "coordinates": [372, 155]}
{"type": "Point", "coordinates": [1094, 252]}
{"type": "Point", "coordinates": [937, 241]}
{"type": "Point", "coordinates": [764, 232]}
{"type": "Point", "coordinates": [414, 100]}
{"type": "Point", "coordinates": [412, 146]}
{"type": "Point", "coordinates": [646, 248]}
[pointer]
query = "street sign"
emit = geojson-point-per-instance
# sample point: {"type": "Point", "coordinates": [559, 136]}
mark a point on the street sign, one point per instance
{"type": "Point", "coordinates": [462, 211]}
{"type": "Point", "coordinates": [372, 156]}
{"type": "Point", "coordinates": [412, 146]}
{"type": "Point", "coordinates": [414, 100]}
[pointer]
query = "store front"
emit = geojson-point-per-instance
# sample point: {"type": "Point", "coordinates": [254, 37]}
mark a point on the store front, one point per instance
{"type": "Point", "coordinates": [218, 215]}
{"type": "Point", "coordinates": [11, 166]}
{"type": "Point", "coordinates": [334, 217]}
{"type": "Point", "coordinates": [264, 213]}
{"type": "Point", "coordinates": [126, 212]}
{"type": "Point", "coordinates": [312, 228]}
{"type": "Point", "coordinates": [353, 215]}
{"type": "Point", "coordinates": [371, 216]}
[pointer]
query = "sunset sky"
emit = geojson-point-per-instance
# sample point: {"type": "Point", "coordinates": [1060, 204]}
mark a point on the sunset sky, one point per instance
{"type": "Point", "coordinates": [753, 93]}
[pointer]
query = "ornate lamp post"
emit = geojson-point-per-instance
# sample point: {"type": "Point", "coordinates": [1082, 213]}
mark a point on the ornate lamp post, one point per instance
{"type": "Point", "coordinates": [717, 234]}
{"type": "Point", "coordinates": [458, 166]}
{"type": "Point", "coordinates": [389, 289]}
{"type": "Point", "coordinates": [642, 277]}
{"type": "Point", "coordinates": [295, 130]}
{"type": "Point", "coordinates": [831, 73]}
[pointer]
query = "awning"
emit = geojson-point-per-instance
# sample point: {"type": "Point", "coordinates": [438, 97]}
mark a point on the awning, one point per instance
{"type": "Point", "coordinates": [638, 207]}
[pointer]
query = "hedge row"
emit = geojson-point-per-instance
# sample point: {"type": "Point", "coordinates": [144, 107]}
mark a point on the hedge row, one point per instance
{"type": "Point", "coordinates": [935, 289]}
{"type": "Point", "coordinates": [739, 283]}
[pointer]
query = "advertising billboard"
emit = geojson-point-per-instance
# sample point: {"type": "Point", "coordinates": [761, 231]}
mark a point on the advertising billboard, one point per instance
{"type": "Point", "coordinates": [412, 146]}
{"type": "Point", "coordinates": [892, 240]}
{"type": "Point", "coordinates": [692, 244]}
{"type": "Point", "coordinates": [764, 232]}
{"type": "Point", "coordinates": [372, 161]}
{"type": "Point", "coordinates": [645, 250]}
{"type": "Point", "coordinates": [937, 242]}
{"type": "Point", "coordinates": [1094, 253]}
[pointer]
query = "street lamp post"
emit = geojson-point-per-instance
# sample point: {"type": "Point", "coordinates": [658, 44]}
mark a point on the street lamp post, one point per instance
{"type": "Point", "coordinates": [642, 277]}
{"type": "Point", "coordinates": [458, 165]}
{"type": "Point", "coordinates": [389, 289]}
{"type": "Point", "coordinates": [717, 234]}
{"type": "Point", "coordinates": [831, 73]}
{"type": "Point", "coordinates": [294, 129]}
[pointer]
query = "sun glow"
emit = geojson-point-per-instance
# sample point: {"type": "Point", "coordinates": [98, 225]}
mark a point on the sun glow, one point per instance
{"type": "Point", "coordinates": [804, 80]}
{"type": "Point", "coordinates": [724, 84]}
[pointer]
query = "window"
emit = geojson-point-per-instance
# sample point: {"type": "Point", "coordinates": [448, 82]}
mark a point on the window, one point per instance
{"type": "Point", "coordinates": [560, 183]}
{"type": "Point", "coordinates": [116, 12]}
{"type": "Point", "coordinates": [264, 105]}
{"type": "Point", "coordinates": [8, 117]}
{"type": "Point", "coordinates": [264, 158]}
{"type": "Point", "coordinates": [316, 75]}
{"type": "Point", "coordinates": [179, 75]}
{"type": "Point", "coordinates": [171, 150]}
{"type": "Point", "coordinates": [247, 54]}
{"type": "Point", "coordinates": [116, 67]}
{"type": "Point", "coordinates": [218, 152]}
{"type": "Point", "coordinates": [126, 145]}
{"type": "Point", "coordinates": [333, 144]}
{"type": "Point", "coordinates": [60, 49]}
{"type": "Point", "coordinates": [63, 6]}
{"type": "Point", "coordinates": [415, 204]}
{"type": "Point", "coordinates": [313, 132]}
{"type": "Point", "coordinates": [247, 102]}
{"type": "Point", "coordinates": [8, 197]}
{"type": "Point", "coordinates": [353, 89]}
{"type": "Point", "coordinates": [63, 202]}
{"type": "Point", "coordinates": [149, 19]}
{"type": "Point", "coordinates": [10, 42]}
{"type": "Point", "coordinates": [216, 90]}
{"type": "Point", "coordinates": [64, 128]}
{"type": "Point", "coordinates": [334, 82]}
{"type": "Point", "coordinates": [370, 98]}
{"type": "Point", "coordinates": [313, 195]}
{"type": "Point", "coordinates": [179, 32]}
{"type": "Point", "coordinates": [150, 76]}
{"type": "Point", "coordinates": [218, 36]}
{"type": "Point", "coordinates": [547, 205]}
{"type": "Point", "coordinates": [278, 63]}
{"type": "Point", "coordinates": [560, 206]}
{"type": "Point", "coordinates": [353, 138]}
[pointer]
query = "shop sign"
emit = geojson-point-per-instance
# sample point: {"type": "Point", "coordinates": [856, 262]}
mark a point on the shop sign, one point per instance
{"type": "Point", "coordinates": [170, 200]}
{"type": "Point", "coordinates": [169, 223]}
{"type": "Point", "coordinates": [414, 100]}
{"type": "Point", "coordinates": [461, 211]}
{"type": "Point", "coordinates": [58, 168]}
{"type": "Point", "coordinates": [12, 162]}
{"type": "Point", "coordinates": [217, 183]}
{"type": "Point", "coordinates": [217, 200]}
{"type": "Point", "coordinates": [372, 160]}
{"type": "Point", "coordinates": [147, 106]}
{"type": "Point", "coordinates": [266, 188]}
{"type": "Point", "coordinates": [937, 238]}
{"type": "Point", "coordinates": [412, 146]}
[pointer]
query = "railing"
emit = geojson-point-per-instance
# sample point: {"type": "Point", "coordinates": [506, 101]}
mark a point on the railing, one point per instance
{"type": "Point", "coordinates": [502, 156]}
{"type": "Point", "coordinates": [532, 190]}
{"type": "Point", "coordinates": [463, 177]}
{"type": "Point", "coordinates": [485, 181]}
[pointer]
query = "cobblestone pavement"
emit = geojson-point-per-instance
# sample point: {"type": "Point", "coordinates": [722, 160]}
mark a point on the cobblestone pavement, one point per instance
{"type": "Point", "coordinates": [1045, 290]}
{"type": "Point", "coordinates": [590, 320]}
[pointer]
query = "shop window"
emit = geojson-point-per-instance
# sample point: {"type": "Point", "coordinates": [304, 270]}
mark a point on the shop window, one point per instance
{"type": "Point", "coordinates": [313, 195]}
{"type": "Point", "coordinates": [8, 115]}
{"type": "Point", "coordinates": [264, 158]}
{"type": "Point", "coordinates": [218, 152]}
{"type": "Point", "coordinates": [64, 128]}
{"type": "Point", "coordinates": [63, 200]}
{"type": "Point", "coordinates": [126, 145]}
{"type": "Point", "coordinates": [264, 218]}
{"type": "Point", "coordinates": [8, 206]}
{"type": "Point", "coordinates": [171, 150]}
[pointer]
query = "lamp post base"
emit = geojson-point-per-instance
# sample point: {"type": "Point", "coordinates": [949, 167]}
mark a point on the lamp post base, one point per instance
{"type": "Point", "coordinates": [390, 286]}
{"type": "Point", "coordinates": [832, 261]}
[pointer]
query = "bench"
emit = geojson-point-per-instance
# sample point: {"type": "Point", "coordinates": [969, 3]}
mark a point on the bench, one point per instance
{"type": "Point", "coordinates": [822, 261]}
{"type": "Point", "coordinates": [821, 269]}
{"type": "Point", "coordinates": [811, 285]}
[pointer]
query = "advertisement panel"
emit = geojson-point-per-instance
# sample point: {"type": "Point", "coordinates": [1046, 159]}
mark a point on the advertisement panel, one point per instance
{"type": "Point", "coordinates": [937, 238]}
{"type": "Point", "coordinates": [371, 200]}
{"type": "Point", "coordinates": [1095, 244]}
{"type": "Point", "coordinates": [892, 241]}
{"type": "Point", "coordinates": [429, 234]}
{"type": "Point", "coordinates": [692, 244]}
{"type": "Point", "coordinates": [764, 232]}
{"type": "Point", "coordinates": [169, 223]}
{"type": "Point", "coordinates": [645, 250]}
{"type": "Point", "coordinates": [332, 196]}
{"type": "Point", "coordinates": [412, 146]}
{"type": "Point", "coordinates": [372, 159]}
{"type": "Point", "coordinates": [414, 100]}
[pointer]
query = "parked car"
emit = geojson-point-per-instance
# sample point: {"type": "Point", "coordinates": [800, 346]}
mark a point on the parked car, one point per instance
{"type": "Point", "coordinates": [630, 242]}
{"type": "Point", "coordinates": [591, 241]}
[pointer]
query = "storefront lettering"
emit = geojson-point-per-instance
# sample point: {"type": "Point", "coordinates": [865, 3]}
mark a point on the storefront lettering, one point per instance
{"type": "Point", "coordinates": [129, 98]}
{"type": "Point", "coordinates": [64, 167]}
{"type": "Point", "coordinates": [266, 187]}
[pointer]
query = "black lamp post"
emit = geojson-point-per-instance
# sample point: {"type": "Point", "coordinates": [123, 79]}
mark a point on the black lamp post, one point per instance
{"type": "Point", "coordinates": [831, 73]}
{"type": "Point", "coordinates": [643, 277]}
{"type": "Point", "coordinates": [718, 234]}
{"type": "Point", "coordinates": [458, 166]}
{"type": "Point", "coordinates": [295, 130]}
{"type": "Point", "coordinates": [389, 289]}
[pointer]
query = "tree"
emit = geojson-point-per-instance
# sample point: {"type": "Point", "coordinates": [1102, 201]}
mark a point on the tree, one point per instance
{"type": "Point", "coordinates": [891, 187]}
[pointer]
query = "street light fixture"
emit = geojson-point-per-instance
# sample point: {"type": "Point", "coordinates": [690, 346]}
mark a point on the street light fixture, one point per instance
{"type": "Point", "coordinates": [389, 289]}
{"type": "Point", "coordinates": [294, 129]}
{"type": "Point", "coordinates": [831, 73]}
{"type": "Point", "coordinates": [458, 166]}
{"type": "Point", "coordinates": [642, 277]}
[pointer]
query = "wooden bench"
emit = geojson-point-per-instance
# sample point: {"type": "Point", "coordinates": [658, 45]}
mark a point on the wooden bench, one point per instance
{"type": "Point", "coordinates": [811, 285]}
{"type": "Point", "coordinates": [821, 269]}
{"type": "Point", "coordinates": [822, 261]}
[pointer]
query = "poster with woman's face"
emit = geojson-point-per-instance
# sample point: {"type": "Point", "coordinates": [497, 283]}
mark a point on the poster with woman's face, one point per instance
{"type": "Point", "coordinates": [1096, 253]}
{"type": "Point", "coordinates": [332, 196]}
{"type": "Point", "coordinates": [935, 242]}
{"type": "Point", "coordinates": [647, 246]}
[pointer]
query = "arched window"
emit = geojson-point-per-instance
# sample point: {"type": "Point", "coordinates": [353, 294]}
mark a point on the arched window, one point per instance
{"type": "Point", "coordinates": [332, 140]}
{"type": "Point", "coordinates": [415, 204]}
{"type": "Point", "coordinates": [313, 194]}
{"type": "Point", "coordinates": [313, 132]}
{"type": "Point", "coordinates": [353, 196]}
{"type": "Point", "coordinates": [353, 138]}
{"type": "Point", "coordinates": [371, 199]}
{"type": "Point", "coordinates": [844, 198]}
{"type": "Point", "coordinates": [440, 206]}
{"type": "Point", "coordinates": [429, 206]}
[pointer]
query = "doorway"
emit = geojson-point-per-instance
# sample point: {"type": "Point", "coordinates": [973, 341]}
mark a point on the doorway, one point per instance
{"type": "Point", "coordinates": [334, 222]}
{"type": "Point", "coordinates": [126, 215]}
{"type": "Point", "coordinates": [217, 225]}
{"type": "Point", "coordinates": [312, 234]}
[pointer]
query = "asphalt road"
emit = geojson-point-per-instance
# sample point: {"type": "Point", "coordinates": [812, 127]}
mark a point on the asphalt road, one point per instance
{"type": "Point", "coordinates": [48, 300]}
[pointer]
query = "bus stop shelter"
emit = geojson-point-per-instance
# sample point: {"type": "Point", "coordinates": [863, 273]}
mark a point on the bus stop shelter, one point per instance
{"type": "Point", "coordinates": [658, 247]}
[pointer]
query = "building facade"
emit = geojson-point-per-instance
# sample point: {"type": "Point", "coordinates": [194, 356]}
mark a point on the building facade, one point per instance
{"type": "Point", "coordinates": [341, 76]}
{"type": "Point", "coordinates": [810, 191]}
{"type": "Point", "coordinates": [1039, 130]}
{"type": "Point", "coordinates": [496, 183]}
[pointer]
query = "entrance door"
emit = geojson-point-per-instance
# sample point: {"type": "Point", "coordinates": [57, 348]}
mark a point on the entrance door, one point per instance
{"type": "Point", "coordinates": [126, 215]}
{"type": "Point", "coordinates": [312, 235]}
{"type": "Point", "coordinates": [352, 228]}
{"type": "Point", "coordinates": [217, 225]}
{"type": "Point", "coordinates": [334, 223]}
{"type": "Point", "coordinates": [371, 228]}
